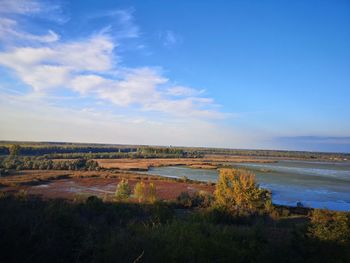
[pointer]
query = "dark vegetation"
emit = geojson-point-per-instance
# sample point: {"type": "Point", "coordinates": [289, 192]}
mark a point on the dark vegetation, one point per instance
{"type": "Point", "coordinates": [35, 163]}
{"type": "Point", "coordinates": [95, 152]}
{"type": "Point", "coordinates": [34, 230]}
{"type": "Point", "coordinates": [139, 154]}
{"type": "Point", "coordinates": [276, 153]}
{"type": "Point", "coordinates": [78, 150]}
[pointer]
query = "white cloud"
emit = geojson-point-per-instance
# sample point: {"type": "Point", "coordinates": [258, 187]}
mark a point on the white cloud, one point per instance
{"type": "Point", "coordinates": [43, 122]}
{"type": "Point", "coordinates": [94, 54]}
{"type": "Point", "coordinates": [51, 66]}
{"type": "Point", "coordinates": [45, 76]}
{"type": "Point", "coordinates": [89, 67]}
{"type": "Point", "coordinates": [88, 83]}
{"type": "Point", "coordinates": [137, 87]}
{"type": "Point", "coordinates": [77, 65]}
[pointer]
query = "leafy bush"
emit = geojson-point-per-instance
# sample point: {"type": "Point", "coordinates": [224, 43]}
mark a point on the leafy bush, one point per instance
{"type": "Point", "coordinates": [196, 199]}
{"type": "Point", "coordinates": [123, 191]}
{"type": "Point", "coordinates": [152, 193]}
{"type": "Point", "coordinates": [139, 191]}
{"type": "Point", "coordinates": [237, 190]}
{"type": "Point", "coordinates": [330, 226]}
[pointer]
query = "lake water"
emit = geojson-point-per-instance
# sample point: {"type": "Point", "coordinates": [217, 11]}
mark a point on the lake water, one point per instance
{"type": "Point", "coordinates": [314, 184]}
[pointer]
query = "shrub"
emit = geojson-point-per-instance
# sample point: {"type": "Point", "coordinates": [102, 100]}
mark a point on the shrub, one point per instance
{"type": "Point", "coordinates": [123, 190]}
{"type": "Point", "coordinates": [328, 225]}
{"type": "Point", "coordinates": [184, 179]}
{"type": "Point", "coordinates": [197, 199]}
{"type": "Point", "coordinates": [185, 199]}
{"type": "Point", "coordinates": [237, 190]}
{"type": "Point", "coordinates": [152, 193]}
{"type": "Point", "coordinates": [139, 191]}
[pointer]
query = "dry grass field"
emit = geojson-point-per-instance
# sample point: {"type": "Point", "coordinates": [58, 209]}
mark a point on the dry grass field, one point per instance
{"type": "Point", "coordinates": [208, 162]}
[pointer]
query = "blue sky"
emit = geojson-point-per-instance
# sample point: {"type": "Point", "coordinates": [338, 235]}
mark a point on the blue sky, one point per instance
{"type": "Point", "coordinates": [238, 74]}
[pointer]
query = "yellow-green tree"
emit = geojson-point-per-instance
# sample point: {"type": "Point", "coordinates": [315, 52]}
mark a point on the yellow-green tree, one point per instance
{"type": "Point", "coordinates": [152, 193]}
{"type": "Point", "coordinates": [123, 190]}
{"type": "Point", "coordinates": [139, 191]}
{"type": "Point", "coordinates": [237, 190]}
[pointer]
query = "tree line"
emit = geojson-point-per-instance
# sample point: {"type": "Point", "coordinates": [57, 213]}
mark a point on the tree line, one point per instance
{"type": "Point", "coordinates": [32, 163]}
{"type": "Point", "coordinates": [74, 152]}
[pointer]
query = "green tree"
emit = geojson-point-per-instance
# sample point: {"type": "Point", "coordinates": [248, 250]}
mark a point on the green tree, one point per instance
{"type": "Point", "coordinates": [123, 191]}
{"type": "Point", "coordinates": [139, 191]}
{"type": "Point", "coordinates": [152, 193]}
{"type": "Point", "coordinates": [14, 150]}
{"type": "Point", "coordinates": [237, 190]}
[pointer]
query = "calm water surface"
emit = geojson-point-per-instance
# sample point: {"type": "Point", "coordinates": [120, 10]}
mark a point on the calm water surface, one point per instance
{"type": "Point", "coordinates": [315, 184]}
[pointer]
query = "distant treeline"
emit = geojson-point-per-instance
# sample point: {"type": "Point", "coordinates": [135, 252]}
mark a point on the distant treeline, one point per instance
{"type": "Point", "coordinates": [142, 151]}
{"type": "Point", "coordinates": [131, 155]}
{"type": "Point", "coordinates": [276, 153]}
{"type": "Point", "coordinates": [41, 150]}
{"type": "Point", "coordinates": [159, 150]}
{"type": "Point", "coordinates": [90, 152]}
{"type": "Point", "coordinates": [32, 163]}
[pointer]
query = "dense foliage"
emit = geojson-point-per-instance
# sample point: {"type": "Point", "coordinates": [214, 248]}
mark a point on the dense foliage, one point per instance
{"type": "Point", "coordinates": [37, 148]}
{"type": "Point", "coordinates": [32, 163]}
{"type": "Point", "coordinates": [32, 230]}
{"type": "Point", "coordinates": [119, 155]}
{"type": "Point", "coordinates": [140, 191]}
{"type": "Point", "coordinates": [330, 226]}
{"type": "Point", "coordinates": [123, 191]}
{"type": "Point", "coordinates": [236, 190]}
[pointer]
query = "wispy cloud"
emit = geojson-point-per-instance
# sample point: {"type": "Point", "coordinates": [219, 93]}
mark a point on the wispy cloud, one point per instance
{"type": "Point", "coordinates": [19, 7]}
{"type": "Point", "coordinates": [89, 67]}
{"type": "Point", "coordinates": [9, 30]}
{"type": "Point", "coordinates": [169, 38]}
{"type": "Point", "coordinates": [43, 121]}
{"type": "Point", "coordinates": [184, 91]}
{"type": "Point", "coordinates": [46, 9]}
{"type": "Point", "coordinates": [121, 23]}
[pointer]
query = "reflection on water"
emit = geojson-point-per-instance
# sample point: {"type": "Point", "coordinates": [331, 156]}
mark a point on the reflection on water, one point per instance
{"type": "Point", "coordinates": [315, 184]}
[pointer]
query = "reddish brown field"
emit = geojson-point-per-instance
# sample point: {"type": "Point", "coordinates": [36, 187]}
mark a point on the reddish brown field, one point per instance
{"type": "Point", "coordinates": [70, 184]}
{"type": "Point", "coordinates": [80, 184]}
{"type": "Point", "coordinates": [72, 188]}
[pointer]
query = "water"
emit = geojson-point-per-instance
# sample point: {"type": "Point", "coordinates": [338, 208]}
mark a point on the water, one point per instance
{"type": "Point", "coordinates": [314, 184]}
